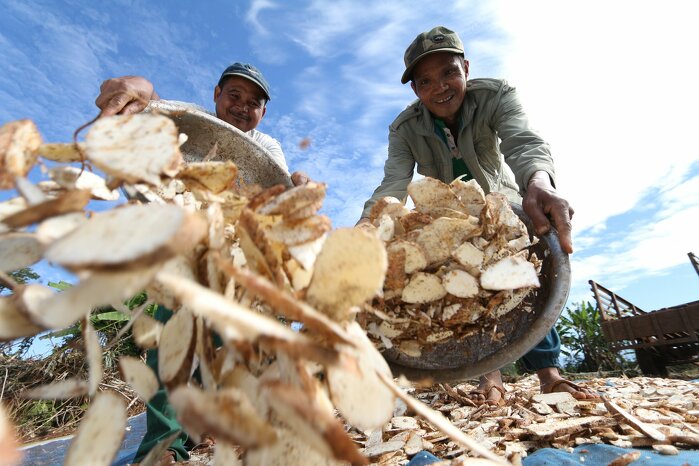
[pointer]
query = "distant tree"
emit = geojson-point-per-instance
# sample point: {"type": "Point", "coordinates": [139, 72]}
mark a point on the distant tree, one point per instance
{"type": "Point", "coordinates": [582, 340]}
{"type": "Point", "coordinates": [21, 276]}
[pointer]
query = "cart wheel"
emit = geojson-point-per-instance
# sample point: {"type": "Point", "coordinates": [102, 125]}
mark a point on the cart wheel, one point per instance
{"type": "Point", "coordinates": [651, 363]}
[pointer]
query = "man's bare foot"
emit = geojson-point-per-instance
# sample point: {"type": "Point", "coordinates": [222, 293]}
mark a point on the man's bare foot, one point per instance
{"type": "Point", "coordinates": [490, 390]}
{"type": "Point", "coordinates": [551, 381]}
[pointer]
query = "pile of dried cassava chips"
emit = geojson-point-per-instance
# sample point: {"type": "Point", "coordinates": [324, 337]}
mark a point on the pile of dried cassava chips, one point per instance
{"type": "Point", "coordinates": [257, 268]}
{"type": "Point", "coordinates": [457, 261]}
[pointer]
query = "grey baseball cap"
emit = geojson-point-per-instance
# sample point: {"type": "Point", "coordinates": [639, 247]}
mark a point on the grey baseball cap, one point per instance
{"type": "Point", "coordinates": [247, 71]}
{"type": "Point", "coordinates": [439, 39]}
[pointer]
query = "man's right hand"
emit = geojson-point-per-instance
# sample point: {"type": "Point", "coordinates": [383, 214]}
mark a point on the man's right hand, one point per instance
{"type": "Point", "coordinates": [125, 95]}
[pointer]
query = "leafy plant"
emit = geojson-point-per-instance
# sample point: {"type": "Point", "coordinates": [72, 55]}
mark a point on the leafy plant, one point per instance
{"type": "Point", "coordinates": [582, 341]}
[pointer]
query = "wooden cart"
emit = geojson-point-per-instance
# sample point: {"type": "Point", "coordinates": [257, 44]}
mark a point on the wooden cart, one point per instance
{"type": "Point", "coordinates": [660, 338]}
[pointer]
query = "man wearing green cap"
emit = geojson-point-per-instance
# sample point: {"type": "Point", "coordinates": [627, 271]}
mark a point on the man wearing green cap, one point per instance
{"type": "Point", "coordinates": [478, 130]}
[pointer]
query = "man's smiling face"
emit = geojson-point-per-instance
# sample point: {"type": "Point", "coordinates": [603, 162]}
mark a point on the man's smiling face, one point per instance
{"type": "Point", "coordinates": [240, 102]}
{"type": "Point", "coordinates": [439, 81]}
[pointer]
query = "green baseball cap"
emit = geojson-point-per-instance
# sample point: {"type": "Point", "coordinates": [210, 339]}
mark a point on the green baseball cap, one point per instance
{"type": "Point", "coordinates": [439, 39]}
{"type": "Point", "coordinates": [247, 71]}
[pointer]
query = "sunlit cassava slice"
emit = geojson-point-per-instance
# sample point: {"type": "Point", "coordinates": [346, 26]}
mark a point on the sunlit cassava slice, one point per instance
{"type": "Point", "coordinates": [154, 234]}
{"type": "Point", "coordinates": [53, 228]}
{"type": "Point", "coordinates": [318, 428]}
{"type": "Point", "coordinates": [61, 152]}
{"type": "Point", "coordinates": [500, 217]}
{"type": "Point", "coordinates": [460, 284]}
{"type": "Point", "coordinates": [293, 233]}
{"type": "Point", "coordinates": [438, 420]}
{"type": "Point", "coordinates": [441, 237]}
{"type": "Point", "coordinates": [288, 450]}
{"type": "Point", "coordinates": [510, 273]}
{"type": "Point", "coordinates": [19, 141]}
{"type": "Point", "coordinates": [93, 356]}
{"type": "Point", "coordinates": [179, 265]}
{"type": "Point", "coordinates": [60, 390]}
{"type": "Point", "coordinates": [429, 192]}
{"type": "Point", "coordinates": [14, 323]}
{"type": "Point", "coordinates": [176, 348]}
{"type": "Point", "coordinates": [212, 176]}
{"type": "Point", "coordinates": [388, 206]}
{"type": "Point", "coordinates": [75, 178]}
{"type": "Point", "coordinates": [9, 453]}
{"type": "Point", "coordinates": [305, 198]}
{"type": "Point", "coordinates": [59, 310]}
{"type": "Point", "coordinates": [356, 375]}
{"type": "Point", "coordinates": [227, 415]}
{"type": "Point", "coordinates": [423, 288]}
{"type": "Point", "coordinates": [286, 304]}
{"type": "Point", "coordinates": [307, 253]}
{"type": "Point", "coordinates": [29, 191]}
{"type": "Point", "coordinates": [141, 378]}
{"type": "Point", "coordinates": [146, 331]}
{"type": "Point", "coordinates": [226, 454]}
{"type": "Point", "coordinates": [71, 201]}
{"type": "Point", "coordinates": [471, 195]}
{"type": "Point", "coordinates": [415, 259]}
{"type": "Point", "coordinates": [19, 250]}
{"type": "Point", "coordinates": [349, 270]}
{"type": "Point", "coordinates": [135, 148]}
{"type": "Point", "coordinates": [100, 433]}
{"type": "Point", "coordinates": [470, 257]}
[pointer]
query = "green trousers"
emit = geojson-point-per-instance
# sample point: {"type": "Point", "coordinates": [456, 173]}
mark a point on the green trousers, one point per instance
{"type": "Point", "coordinates": [161, 421]}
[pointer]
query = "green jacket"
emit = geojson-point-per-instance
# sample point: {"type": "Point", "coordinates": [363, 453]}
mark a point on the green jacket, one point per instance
{"type": "Point", "coordinates": [494, 130]}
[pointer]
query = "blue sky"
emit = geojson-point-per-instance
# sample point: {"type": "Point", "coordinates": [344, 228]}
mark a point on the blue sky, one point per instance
{"type": "Point", "coordinates": [609, 84]}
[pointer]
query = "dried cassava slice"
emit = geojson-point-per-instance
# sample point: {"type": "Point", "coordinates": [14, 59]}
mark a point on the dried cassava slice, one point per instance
{"type": "Point", "coordinates": [100, 433]}
{"type": "Point", "coordinates": [349, 270]}
{"type": "Point", "coordinates": [53, 228]}
{"type": "Point", "coordinates": [349, 381]}
{"type": "Point", "coordinates": [471, 195]}
{"type": "Point", "coordinates": [146, 331]}
{"type": "Point", "coordinates": [317, 427]}
{"type": "Point", "coordinates": [423, 288]}
{"type": "Point", "coordinates": [469, 256]}
{"type": "Point", "coordinates": [19, 141]}
{"type": "Point", "coordinates": [430, 192]}
{"type": "Point", "coordinates": [61, 390]}
{"type": "Point", "coordinates": [141, 378]}
{"type": "Point", "coordinates": [288, 450]}
{"type": "Point", "coordinates": [212, 176]}
{"type": "Point", "coordinates": [14, 323]}
{"type": "Point", "coordinates": [93, 355]}
{"type": "Point", "coordinates": [29, 191]}
{"type": "Point", "coordinates": [71, 201]}
{"type": "Point", "coordinates": [75, 178]}
{"type": "Point", "coordinates": [19, 250]}
{"type": "Point", "coordinates": [135, 148]}
{"type": "Point", "coordinates": [59, 310]}
{"type": "Point", "coordinates": [415, 259]}
{"type": "Point", "coordinates": [176, 347]}
{"type": "Point", "coordinates": [510, 273]}
{"type": "Point", "coordinates": [155, 233]}
{"type": "Point", "coordinates": [460, 284]}
{"type": "Point", "coordinates": [295, 199]}
{"type": "Point", "coordinates": [154, 456]}
{"type": "Point", "coordinates": [226, 414]}
{"type": "Point", "coordinates": [9, 453]}
{"type": "Point", "coordinates": [62, 152]}
{"type": "Point", "coordinates": [293, 233]}
{"type": "Point", "coordinates": [443, 235]}
{"type": "Point", "coordinates": [388, 206]}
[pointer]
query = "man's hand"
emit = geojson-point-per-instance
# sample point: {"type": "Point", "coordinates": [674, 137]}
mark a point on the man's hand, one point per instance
{"type": "Point", "coordinates": [299, 178]}
{"type": "Point", "coordinates": [541, 202]}
{"type": "Point", "coordinates": [125, 95]}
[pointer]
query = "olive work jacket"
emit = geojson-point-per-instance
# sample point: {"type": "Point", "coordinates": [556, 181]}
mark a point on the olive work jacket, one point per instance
{"type": "Point", "coordinates": [500, 148]}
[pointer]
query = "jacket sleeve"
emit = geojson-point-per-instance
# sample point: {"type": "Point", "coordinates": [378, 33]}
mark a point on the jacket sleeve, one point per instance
{"type": "Point", "coordinates": [398, 171]}
{"type": "Point", "coordinates": [524, 149]}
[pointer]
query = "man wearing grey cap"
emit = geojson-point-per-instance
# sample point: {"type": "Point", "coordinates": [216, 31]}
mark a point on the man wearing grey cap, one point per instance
{"type": "Point", "coordinates": [478, 130]}
{"type": "Point", "coordinates": [241, 97]}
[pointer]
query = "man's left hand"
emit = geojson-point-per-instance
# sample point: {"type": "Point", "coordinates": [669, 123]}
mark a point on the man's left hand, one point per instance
{"type": "Point", "coordinates": [541, 203]}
